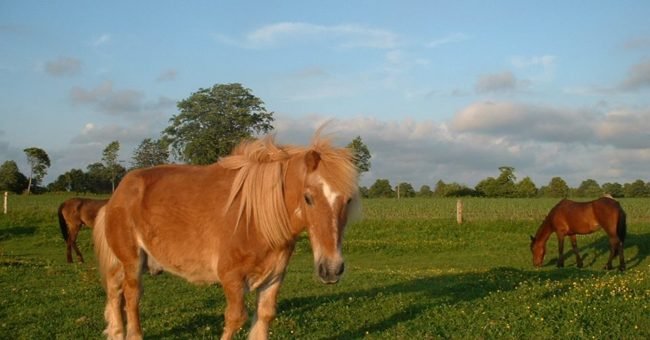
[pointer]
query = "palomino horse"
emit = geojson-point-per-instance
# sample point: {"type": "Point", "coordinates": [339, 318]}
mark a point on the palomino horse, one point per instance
{"type": "Point", "coordinates": [73, 214]}
{"type": "Point", "coordinates": [569, 218]}
{"type": "Point", "coordinates": [234, 222]}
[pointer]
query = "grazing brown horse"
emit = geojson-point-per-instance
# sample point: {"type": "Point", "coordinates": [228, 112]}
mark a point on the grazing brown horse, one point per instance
{"type": "Point", "coordinates": [234, 222]}
{"type": "Point", "coordinates": [570, 218]}
{"type": "Point", "coordinates": [73, 214]}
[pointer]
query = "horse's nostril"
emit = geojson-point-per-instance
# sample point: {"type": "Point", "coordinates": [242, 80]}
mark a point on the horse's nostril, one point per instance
{"type": "Point", "coordinates": [322, 270]}
{"type": "Point", "coordinates": [341, 269]}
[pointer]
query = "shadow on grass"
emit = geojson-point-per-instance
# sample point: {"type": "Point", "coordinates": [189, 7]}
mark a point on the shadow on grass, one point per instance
{"type": "Point", "coordinates": [452, 288]}
{"type": "Point", "coordinates": [598, 251]}
{"type": "Point", "coordinates": [7, 233]}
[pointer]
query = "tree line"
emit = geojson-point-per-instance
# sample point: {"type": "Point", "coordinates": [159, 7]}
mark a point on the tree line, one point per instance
{"type": "Point", "coordinates": [506, 185]}
{"type": "Point", "coordinates": [209, 124]}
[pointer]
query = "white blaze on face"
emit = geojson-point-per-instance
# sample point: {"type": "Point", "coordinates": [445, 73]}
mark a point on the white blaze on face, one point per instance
{"type": "Point", "coordinates": [331, 197]}
{"type": "Point", "coordinates": [329, 194]}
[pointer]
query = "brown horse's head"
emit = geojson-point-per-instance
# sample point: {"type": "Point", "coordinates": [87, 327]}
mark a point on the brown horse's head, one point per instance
{"type": "Point", "coordinates": [329, 195]}
{"type": "Point", "coordinates": [539, 250]}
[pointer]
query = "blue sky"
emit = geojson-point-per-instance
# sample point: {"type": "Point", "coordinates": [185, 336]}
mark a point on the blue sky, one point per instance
{"type": "Point", "coordinates": [437, 90]}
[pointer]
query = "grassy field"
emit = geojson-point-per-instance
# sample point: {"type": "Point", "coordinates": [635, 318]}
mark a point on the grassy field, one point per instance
{"type": "Point", "coordinates": [411, 272]}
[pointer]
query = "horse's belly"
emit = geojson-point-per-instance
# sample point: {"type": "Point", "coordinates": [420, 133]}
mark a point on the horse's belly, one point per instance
{"type": "Point", "coordinates": [195, 264]}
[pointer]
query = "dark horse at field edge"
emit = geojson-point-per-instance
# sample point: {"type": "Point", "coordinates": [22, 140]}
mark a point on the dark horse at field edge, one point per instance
{"type": "Point", "coordinates": [569, 218]}
{"type": "Point", "coordinates": [73, 214]}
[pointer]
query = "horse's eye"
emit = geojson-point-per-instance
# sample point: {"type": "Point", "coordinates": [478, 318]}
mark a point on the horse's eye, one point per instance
{"type": "Point", "coordinates": [309, 200]}
{"type": "Point", "coordinates": [348, 202]}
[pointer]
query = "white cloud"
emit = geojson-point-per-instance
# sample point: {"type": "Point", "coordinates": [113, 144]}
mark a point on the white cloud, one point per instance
{"type": "Point", "coordinates": [127, 102]}
{"type": "Point", "coordinates": [638, 77]}
{"type": "Point", "coordinates": [350, 35]}
{"type": "Point", "coordinates": [101, 40]}
{"type": "Point", "coordinates": [527, 122]}
{"type": "Point", "coordinates": [625, 129]}
{"type": "Point", "coordinates": [167, 75]}
{"type": "Point", "coordinates": [449, 39]}
{"type": "Point", "coordinates": [63, 66]}
{"type": "Point", "coordinates": [499, 82]}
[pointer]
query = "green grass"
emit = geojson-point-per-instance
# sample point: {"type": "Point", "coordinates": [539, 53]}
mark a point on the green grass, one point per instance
{"type": "Point", "coordinates": [411, 272]}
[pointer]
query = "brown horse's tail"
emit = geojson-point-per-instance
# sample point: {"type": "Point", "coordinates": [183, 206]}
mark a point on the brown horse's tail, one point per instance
{"type": "Point", "coordinates": [106, 259]}
{"type": "Point", "coordinates": [621, 226]}
{"type": "Point", "coordinates": [62, 223]}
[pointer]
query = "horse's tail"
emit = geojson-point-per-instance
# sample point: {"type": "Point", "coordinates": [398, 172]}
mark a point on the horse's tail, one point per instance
{"type": "Point", "coordinates": [62, 223]}
{"type": "Point", "coordinates": [621, 226]}
{"type": "Point", "coordinates": [106, 259]}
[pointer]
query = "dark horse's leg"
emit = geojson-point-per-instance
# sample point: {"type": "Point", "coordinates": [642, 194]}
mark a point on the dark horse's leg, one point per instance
{"type": "Point", "coordinates": [615, 248]}
{"type": "Point", "coordinates": [560, 246]}
{"type": "Point", "coordinates": [72, 243]}
{"type": "Point", "coordinates": [574, 245]}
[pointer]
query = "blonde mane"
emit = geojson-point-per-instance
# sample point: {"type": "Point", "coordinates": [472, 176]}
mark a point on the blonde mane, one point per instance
{"type": "Point", "coordinates": [261, 166]}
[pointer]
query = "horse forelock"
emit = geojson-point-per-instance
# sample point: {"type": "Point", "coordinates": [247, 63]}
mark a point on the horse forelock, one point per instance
{"type": "Point", "coordinates": [261, 166]}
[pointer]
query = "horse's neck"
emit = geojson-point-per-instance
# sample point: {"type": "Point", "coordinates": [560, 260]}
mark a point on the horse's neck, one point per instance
{"type": "Point", "coordinates": [544, 232]}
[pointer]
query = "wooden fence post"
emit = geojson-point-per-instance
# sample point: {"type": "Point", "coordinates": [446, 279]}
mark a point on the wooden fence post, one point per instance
{"type": "Point", "coordinates": [459, 211]}
{"type": "Point", "coordinates": [5, 202]}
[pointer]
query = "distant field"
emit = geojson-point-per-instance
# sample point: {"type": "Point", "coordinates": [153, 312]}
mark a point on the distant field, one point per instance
{"type": "Point", "coordinates": [411, 272]}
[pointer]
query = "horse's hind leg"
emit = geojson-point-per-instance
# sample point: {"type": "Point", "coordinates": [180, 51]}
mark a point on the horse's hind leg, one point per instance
{"type": "Point", "coordinates": [114, 303]}
{"type": "Point", "coordinates": [132, 291]}
{"type": "Point", "coordinates": [614, 249]}
{"type": "Point", "coordinates": [621, 258]}
{"type": "Point", "coordinates": [574, 245]}
{"type": "Point", "coordinates": [72, 243]}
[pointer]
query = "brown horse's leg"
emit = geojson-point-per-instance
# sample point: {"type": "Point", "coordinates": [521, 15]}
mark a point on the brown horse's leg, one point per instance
{"type": "Point", "coordinates": [613, 250]}
{"type": "Point", "coordinates": [560, 246]}
{"type": "Point", "coordinates": [132, 292]}
{"type": "Point", "coordinates": [266, 304]}
{"type": "Point", "coordinates": [574, 245]}
{"type": "Point", "coordinates": [72, 242]}
{"type": "Point", "coordinates": [235, 314]}
{"type": "Point", "coordinates": [621, 258]}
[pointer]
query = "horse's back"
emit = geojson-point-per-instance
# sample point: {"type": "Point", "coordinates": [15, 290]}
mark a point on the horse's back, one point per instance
{"type": "Point", "coordinates": [585, 217]}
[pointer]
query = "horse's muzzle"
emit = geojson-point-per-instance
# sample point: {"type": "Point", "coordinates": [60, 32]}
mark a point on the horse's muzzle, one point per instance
{"type": "Point", "coordinates": [329, 272]}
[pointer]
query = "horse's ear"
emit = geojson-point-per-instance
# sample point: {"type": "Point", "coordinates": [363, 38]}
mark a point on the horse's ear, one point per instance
{"type": "Point", "coordinates": [312, 158]}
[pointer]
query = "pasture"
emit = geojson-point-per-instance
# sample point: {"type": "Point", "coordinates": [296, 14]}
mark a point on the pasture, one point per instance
{"type": "Point", "coordinates": [411, 272]}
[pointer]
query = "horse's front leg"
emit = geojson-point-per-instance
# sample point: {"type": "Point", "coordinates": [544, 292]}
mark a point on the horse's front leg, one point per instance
{"type": "Point", "coordinates": [574, 245]}
{"type": "Point", "coordinates": [235, 314]}
{"type": "Point", "coordinates": [560, 246]}
{"type": "Point", "coordinates": [267, 297]}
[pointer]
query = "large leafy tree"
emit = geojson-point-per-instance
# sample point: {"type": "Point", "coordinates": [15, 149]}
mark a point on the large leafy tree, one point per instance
{"type": "Point", "coordinates": [406, 190]}
{"type": "Point", "coordinates": [613, 189]}
{"type": "Point", "coordinates": [361, 154]}
{"type": "Point", "coordinates": [150, 153]}
{"type": "Point", "coordinates": [74, 180]}
{"type": "Point", "coordinates": [212, 121]}
{"type": "Point", "coordinates": [112, 165]}
{"type": "Point", "coordinates": [526, 188]}
{"type": "Point", "coordinates": [38, 161]}
{"type": "Point", "coordinates": [11, 179]}
{"type": "Point", "coordinates": [381, 188]}
{"type": "Point", "coordinates": [589, 188]}
{"type": "Point", "coordinates": [557, 187]}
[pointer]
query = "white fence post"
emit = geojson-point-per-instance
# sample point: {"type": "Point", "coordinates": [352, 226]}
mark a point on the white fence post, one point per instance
{"type": "Point", "coordinates": [459, 211]}
{"type": "Point", "coordinates": [5, 202]}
